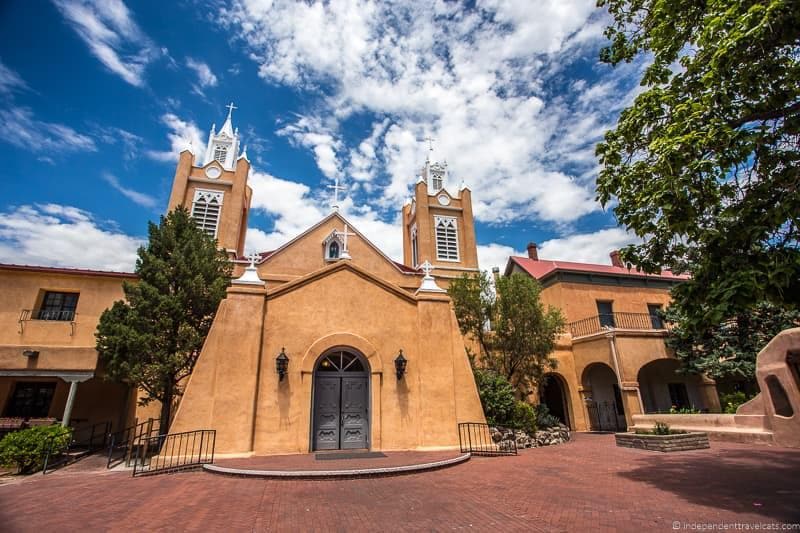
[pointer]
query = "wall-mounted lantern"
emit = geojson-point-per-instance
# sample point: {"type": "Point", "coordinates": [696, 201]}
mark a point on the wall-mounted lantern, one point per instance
{"type": "Point", "coordinates": [30, 353]}
{"type": "Point", "coordinates": [400, 363]}
{"type": "Point", "coordinates": [282, 364]}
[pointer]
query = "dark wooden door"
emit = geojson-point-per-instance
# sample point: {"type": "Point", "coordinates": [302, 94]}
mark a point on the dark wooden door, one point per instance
{"type": "Point", "coordinates": [327, 410]}
{"type": "Point", "coordinates": [354, 412]}
{"type": "Point", "coordinates": [341, 402]}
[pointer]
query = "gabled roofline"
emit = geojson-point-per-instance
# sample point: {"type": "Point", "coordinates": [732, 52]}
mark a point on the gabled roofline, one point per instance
{"type": "Point", "coordinates": [342, 264]}
{"type": "Point", "coordinates": [351, 227]}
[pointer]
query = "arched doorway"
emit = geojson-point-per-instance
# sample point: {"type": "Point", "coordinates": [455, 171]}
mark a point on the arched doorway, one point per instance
{"type": "Point", "coordinates": [604, 399]}
{"type": "Point", "coordinates": [663, 388]}
{"type": "Point", "coordinates": [553, 394]}
{"type": "Point", "coordinates": [340, 403]}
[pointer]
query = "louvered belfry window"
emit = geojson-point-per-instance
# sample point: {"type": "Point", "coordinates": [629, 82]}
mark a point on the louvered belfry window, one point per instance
{"type": "Point", "coordinates": [206, 209]}
{"type": "Point", "coordinates": [220, 153]}
{"type": "Point", "coordinates": [446, 238]}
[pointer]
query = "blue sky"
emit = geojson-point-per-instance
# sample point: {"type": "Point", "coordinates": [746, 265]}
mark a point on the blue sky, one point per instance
{"type": "Point", "coordinates": [97, 97]}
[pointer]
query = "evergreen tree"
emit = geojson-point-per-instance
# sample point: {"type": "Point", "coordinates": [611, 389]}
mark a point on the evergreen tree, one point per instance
{"type": "Point", "coordinates": [152, 339]}
{"type": "Point", "coordinates": [523, 333]}
{"type": "Point", "coordinates": [729, 349]}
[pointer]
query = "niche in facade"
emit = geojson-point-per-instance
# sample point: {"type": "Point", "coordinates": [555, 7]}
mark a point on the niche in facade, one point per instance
{"type": "Point", "coordinates": [780, 401]}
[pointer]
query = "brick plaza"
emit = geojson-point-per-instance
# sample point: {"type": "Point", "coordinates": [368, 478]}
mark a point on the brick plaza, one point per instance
{"type": "Point", "coordinates": [588, 484]}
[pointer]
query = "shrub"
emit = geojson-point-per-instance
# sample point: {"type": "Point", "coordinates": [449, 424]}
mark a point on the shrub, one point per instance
{"type": "Point", "coordinates": [25, 449]}
{"type": "Point", "coordinates": [524, 417]}
{"type": "Point", "coordinates": [731, 402]}
{"type": "Point", "coordinates": [675, 410]}
{"type": "Point", "coordinates": [543, 417]}
{"type": "Point", "coordinates": [661, 428]}
{"type": "Point", "coordinates": [497, 397]}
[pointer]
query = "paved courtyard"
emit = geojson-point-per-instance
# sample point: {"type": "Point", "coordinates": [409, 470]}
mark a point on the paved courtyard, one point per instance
{"type": "Point", "coordinates": [588, 484]}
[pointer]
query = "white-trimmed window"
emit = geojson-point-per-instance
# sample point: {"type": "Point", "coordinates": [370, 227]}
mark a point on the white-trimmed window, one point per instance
{"type": "Point", "coordinates": [220, 153]}
{"type": "Point", "coordinates": [332, 246]}
{"type": "Point", "coordinates": [446, 238]}
{"type": "Point", "coordinates": [437, 179]}
{"type": "Point", "coordinates": [414, 246]}
{"type": "Point", "coordinates": [206, 208]}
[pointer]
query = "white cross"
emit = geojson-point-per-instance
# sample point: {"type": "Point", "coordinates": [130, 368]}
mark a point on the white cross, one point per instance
{"type": "Point", "coordinates": [344, 234]}
{"type": "Point", "coordinates": [253, 257]}
{"type": "Point", "coordinates": [430, 142]}
{"type": "Point", "coordinates": [336, 188]}
{"type": "Point", "coordinates": [427, 268]}
{"type": "Point", "coordinates": [231, 107]}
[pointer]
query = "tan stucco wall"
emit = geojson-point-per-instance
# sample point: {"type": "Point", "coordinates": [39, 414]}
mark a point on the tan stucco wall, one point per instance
{"type": "Point", "coordinates": [634, 349]}
{"type": "Point", "coordinates": [236, 196]}
{"type": "Point", "coordinates": [341, 306]}
{"type": "Point", "coordinates": [579, 300]}
{"type": "Point", "coordinates": [24, 290]}
{"type": "Point", "coordinates": [425, 208]}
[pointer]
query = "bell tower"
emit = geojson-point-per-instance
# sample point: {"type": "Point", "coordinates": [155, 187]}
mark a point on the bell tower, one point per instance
{"type": "Point", "coordinates": [214, 190]}
{"type": "Point", "coordinates": [438, 225]}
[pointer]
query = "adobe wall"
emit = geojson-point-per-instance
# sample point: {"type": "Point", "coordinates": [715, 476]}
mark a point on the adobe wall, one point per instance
{"type": "Point", "coordinates": [344, 307]}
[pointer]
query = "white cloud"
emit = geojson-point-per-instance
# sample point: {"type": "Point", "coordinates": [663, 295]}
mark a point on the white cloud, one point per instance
{"type": "Point", "coordinates": [142, 199]}
{"type": "Point", "coordinates": [495, 255]}
{"type": "Point", "coordinates": [293, 210]}
{"type": "Point", "coordinates": [63, 236]}
{"type": "Point", "coordinates": [183, 135]}
{"type": "Point", "coordinates": [127, 141]}
{"type": "Point", "coordinates": [25, 131]}
{"type": "Point", "coordinates": [111, 34]}
{"type": "Point", "coordinates": [587, 247]}
{"type": "Point", "coordinates": [479, 80]}
{"type": "Point", "coordinates": [311, 133]}
{"type": "Point", "coordinates": [10, 81]}
{"type": "Point", "coordinates": [205, 78]}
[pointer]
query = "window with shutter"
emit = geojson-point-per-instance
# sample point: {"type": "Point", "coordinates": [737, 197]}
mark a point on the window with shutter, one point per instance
{"type": "Point", "coordinates": [206, 210]}
{"type": "Point", "coordinates": [446, 238]}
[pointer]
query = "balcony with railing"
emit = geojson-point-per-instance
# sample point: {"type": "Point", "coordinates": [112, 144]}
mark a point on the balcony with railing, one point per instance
{"type": "Point", "coordinates": [68, 316]}
{"type": "Point", "coordinates": [617, 321]}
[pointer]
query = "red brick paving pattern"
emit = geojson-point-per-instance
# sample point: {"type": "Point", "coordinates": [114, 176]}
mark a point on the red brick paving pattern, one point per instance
{"type": "Point", "coordinates": [308, 461]}
{"type": "Point", "coordinates": [586, 485]}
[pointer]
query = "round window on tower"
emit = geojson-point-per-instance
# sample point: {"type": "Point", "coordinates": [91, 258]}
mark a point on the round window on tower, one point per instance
{"type": "Point", "coordinates": [213, 172]}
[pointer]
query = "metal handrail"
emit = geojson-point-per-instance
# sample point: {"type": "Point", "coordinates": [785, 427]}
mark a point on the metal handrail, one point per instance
{"type": "Point", "coordinates": [629, 321]}
{"type": "Point", "coordinates": [476, 438]}
{"type": "Point", "coordinates": [55, 314]}
{"type": "Point", "coordinates": [172, 452]}
{"type": "Point", "coordinates": [128, 439]}
{"type": "Point", "coordinates": [88, 438]}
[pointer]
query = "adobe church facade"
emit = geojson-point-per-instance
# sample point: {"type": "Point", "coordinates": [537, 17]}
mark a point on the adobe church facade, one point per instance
{"type": "Point", "coordinates": [326, 343]}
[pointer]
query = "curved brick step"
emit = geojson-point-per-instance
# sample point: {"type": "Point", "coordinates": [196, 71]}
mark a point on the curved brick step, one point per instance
{"type": "Point", "coordinates": [333, 474]}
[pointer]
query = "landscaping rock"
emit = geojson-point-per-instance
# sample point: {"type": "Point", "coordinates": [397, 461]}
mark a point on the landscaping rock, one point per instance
{"type": "Point", "coordinates": [543, 437]}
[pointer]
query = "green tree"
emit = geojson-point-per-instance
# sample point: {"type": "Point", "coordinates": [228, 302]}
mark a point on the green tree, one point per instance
{"type": "Point", "coordinates": [153, 338]}
{"type": "Point", "coordinates": [729, 349]}
{"type": "Point", "coordinates": [704, 164]}
{"type": "Point", "coordinates": [523, 334]}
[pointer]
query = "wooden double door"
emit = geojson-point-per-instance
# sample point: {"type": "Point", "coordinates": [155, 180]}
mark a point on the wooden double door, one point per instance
{"type": "Point", "coordinates": [341, 403]}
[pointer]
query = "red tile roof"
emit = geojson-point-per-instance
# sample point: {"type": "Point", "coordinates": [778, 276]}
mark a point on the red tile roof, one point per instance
{"type": "Point", "coordinates": [543, 268]}
{"type": "Point", "coordinates": [72, 271]}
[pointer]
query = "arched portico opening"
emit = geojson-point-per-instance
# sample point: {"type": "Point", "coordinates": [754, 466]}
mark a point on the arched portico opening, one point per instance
{"type": "Point", "coordinates": [340, 401]}
{"type": "Point", "coordinates": [604, 406]}
{"type": "Point", "coordinates": [663, 388]}
{"type": "Point", "coordinates": [554, 393]}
